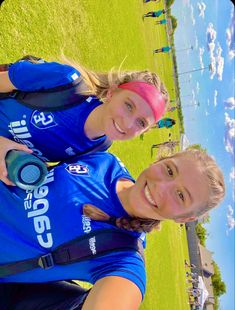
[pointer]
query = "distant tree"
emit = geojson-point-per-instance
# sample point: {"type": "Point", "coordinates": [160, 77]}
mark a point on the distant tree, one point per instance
{"type": "Point", "coordinates": [174, 22]}
{"type": "Point", "coordinates": [169, 2]}
{"type": "Point", "coordinates": [219, 287]}
{"type": "Point", "coordinates": [198, 147]}
{"type": "Point", "coordinates": [201, 233]}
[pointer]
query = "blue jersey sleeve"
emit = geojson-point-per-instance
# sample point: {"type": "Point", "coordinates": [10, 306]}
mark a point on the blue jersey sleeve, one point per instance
{"type": "Point", "coordinates": [27, 76]}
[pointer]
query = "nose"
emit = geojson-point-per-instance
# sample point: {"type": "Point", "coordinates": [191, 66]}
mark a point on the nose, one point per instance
{"type": "Point", "coordinates": [129, 122]}
{"type": "Point", "coordinates": [164, 187]}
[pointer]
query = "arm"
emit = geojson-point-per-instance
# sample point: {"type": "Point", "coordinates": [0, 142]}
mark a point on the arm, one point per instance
{"type": "Point", "coordinates": [5, 83]}
{"type": "Point", "coordinates": [114, 293]}
{"type": "Point", "coordinates": [8, 145]}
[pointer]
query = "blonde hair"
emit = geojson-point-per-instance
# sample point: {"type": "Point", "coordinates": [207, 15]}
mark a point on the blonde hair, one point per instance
{"type": "Point", "coordinates": [98, 83]}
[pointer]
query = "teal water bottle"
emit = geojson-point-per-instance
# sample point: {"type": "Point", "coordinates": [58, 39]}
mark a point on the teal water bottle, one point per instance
{"type": "Point", "coordinates": [25, 170]}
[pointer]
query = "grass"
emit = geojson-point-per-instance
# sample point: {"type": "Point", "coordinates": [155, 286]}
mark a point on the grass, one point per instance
{"type": "Point", "coordinates": [101, 34]}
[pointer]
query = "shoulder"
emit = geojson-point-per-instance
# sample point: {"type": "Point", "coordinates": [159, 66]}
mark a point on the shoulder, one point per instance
{"type": "Point", "coordinates": [27, 76]}
{"type": "Point", "coordinates": [114, 293]}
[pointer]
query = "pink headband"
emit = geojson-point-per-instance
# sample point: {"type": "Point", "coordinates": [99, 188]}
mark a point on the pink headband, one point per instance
{"type": "Point", "coordinates": [150, 94]}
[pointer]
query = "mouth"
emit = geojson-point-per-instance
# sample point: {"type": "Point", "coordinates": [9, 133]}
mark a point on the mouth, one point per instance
{"type": "Point", "coordinates": [149, 197]}
{"type": "Point", "coordinates": [118, 128]}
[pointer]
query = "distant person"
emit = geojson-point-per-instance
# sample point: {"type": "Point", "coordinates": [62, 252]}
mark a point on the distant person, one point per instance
{"type": "Point", "coordinates": [161, 22]}
{"type": "Point", "coordinates": [146, 1]}
{"type": "Point", "coordinates": [154, 13]}
{"type": "Point", "coordinates": [164, 49]}
{"type": "Point", "coordinates": [187, 264]}
{"type": "Point", "coordinates": [165, 122]}
{"type": "Point", "coordinates": [172, 109]}
{"type": "Point", "coordinates": [193, 275]}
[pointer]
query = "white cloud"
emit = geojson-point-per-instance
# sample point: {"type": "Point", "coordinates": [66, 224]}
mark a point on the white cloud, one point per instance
{"type": "Point", "coordinates": [206, 113]}
{"type": "Point", "coordinates": [192, 15]}
{"type": "Point", "coordinates": [215, 97]}
{"type": "Point", "coordinates": [193, 94]}
{"type": "Point", "coordinates": [230, 36]}
{"type": "Point", "coordinates": [210, 34]}
{"type": "Point", "coordinates": [196, 42]}
{"type": "Point", "coordinates": [230, 219]}
{"type": "Point", "coordinates": [212, 66]}
{"type": "Point", "coordinates": [197, 87]}
{"type": "Point", "coordinates": [232, 174]}
{"type": "Point", "coordinates": [201, 52]}
{"type": "Point", "coordinates": [215, 53]}
{"type": "Point", "coordinates": [201, 8]}
{"type": "Point", "coordinates": [220, 62]}
{"type": "Point", "coordinates": [229, 138]}
{"type": "Point", "coordinates": [230, 103]}
{"type": "Point", "coordinates": [211, 37]}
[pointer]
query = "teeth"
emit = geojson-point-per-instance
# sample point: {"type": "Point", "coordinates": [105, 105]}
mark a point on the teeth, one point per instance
{"type": "Point", "coordinates": [149, 196]}
{"type": "Point", "coordinates": [118, 128]}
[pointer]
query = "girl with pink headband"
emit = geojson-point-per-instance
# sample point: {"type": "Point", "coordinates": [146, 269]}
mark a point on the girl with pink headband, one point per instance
{"type": "Point", "coordinates": [117, 106]}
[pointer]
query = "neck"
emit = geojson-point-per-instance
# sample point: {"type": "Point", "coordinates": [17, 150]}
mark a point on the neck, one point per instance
{"type": "Point", "coordinates": [123, 189]}
{"type": "Point", "coordinates": [94, 125]}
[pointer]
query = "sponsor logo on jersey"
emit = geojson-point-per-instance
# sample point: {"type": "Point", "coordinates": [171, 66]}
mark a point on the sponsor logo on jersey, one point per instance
{"type": "Point", "coordinates": [76, 169]}
{"type": "Point", "coordinates": [43, 120]}
{"type": "Point", "coordinates": [92, 245]}
{"type": "Point", "coordinates": [86, 224]}
{"type": "Point", "coordinates": [21, 134]}
{"type": "Point", "coordinates": [36, 205]}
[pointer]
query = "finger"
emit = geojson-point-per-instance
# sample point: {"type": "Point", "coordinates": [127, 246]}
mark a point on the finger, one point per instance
{"type": "Point", "coordinates": [22, 147]}
{"type": "Point", "coordinates": [3, 174]}
{"type": "Point", "coordinates": [7, 181]}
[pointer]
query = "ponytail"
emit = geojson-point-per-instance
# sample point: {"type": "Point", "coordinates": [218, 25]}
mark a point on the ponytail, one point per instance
{"type": "Point", "coordinates": [129, 223]}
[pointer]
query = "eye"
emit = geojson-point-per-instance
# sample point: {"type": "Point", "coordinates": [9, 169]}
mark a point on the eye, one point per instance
{"type": "Point", "coordinates": [129, 106]}
{"type": "Point", "coordinates": [141, 123]}
{"type": "Point", "coordinates": [169, 171]}
{"type": "Point", "coordinates": [181, 195]}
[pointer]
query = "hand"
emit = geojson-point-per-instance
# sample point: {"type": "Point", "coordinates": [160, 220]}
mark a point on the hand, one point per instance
{"type": "Point", "coordinates": [7, 145]}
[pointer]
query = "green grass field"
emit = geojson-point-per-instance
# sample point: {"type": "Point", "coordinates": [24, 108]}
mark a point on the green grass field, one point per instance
{"type": "Point", "coordinates": [101, 34]}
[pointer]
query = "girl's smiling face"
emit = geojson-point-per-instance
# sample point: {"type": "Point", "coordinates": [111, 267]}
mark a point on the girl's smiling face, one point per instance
{"type": "Point", "coordinates": [126, 115]}
{"type": "Point", "coordinates": [173, 188]}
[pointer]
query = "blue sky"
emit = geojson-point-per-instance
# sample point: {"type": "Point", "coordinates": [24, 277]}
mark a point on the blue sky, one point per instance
{"type": "Point", "coordinates": [208, 26]}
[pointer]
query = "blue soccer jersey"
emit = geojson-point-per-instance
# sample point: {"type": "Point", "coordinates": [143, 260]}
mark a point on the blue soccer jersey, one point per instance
{"type": "Point", "coordinates": [55, 135]}
{"type": "Point", "coordinates": [35, 222]}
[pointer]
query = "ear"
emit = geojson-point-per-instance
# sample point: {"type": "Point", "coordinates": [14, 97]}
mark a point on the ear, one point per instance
{"type": "Point", "coordinates": [110, 91]}
{"type": "Point", "coordinates": [186, 219]}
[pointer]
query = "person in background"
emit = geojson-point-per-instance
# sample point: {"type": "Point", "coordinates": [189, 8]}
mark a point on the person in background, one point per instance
{"type": "Point", "coordinates": [161, 22]}
{"type": "Point", "coordinates": [155, 13]}
{"type": "Point", "coordinates": [164, 49]}
{"type": "Point", "coordinates": [165, 122]}
{"type": "Point", "coordinates": [146, 1]}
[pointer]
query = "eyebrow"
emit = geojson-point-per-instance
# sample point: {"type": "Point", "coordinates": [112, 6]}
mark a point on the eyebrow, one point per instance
{"type": "Point", "coordinates": [188, 192]}
{"type": "Point", "coordinates": [131, 101]}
